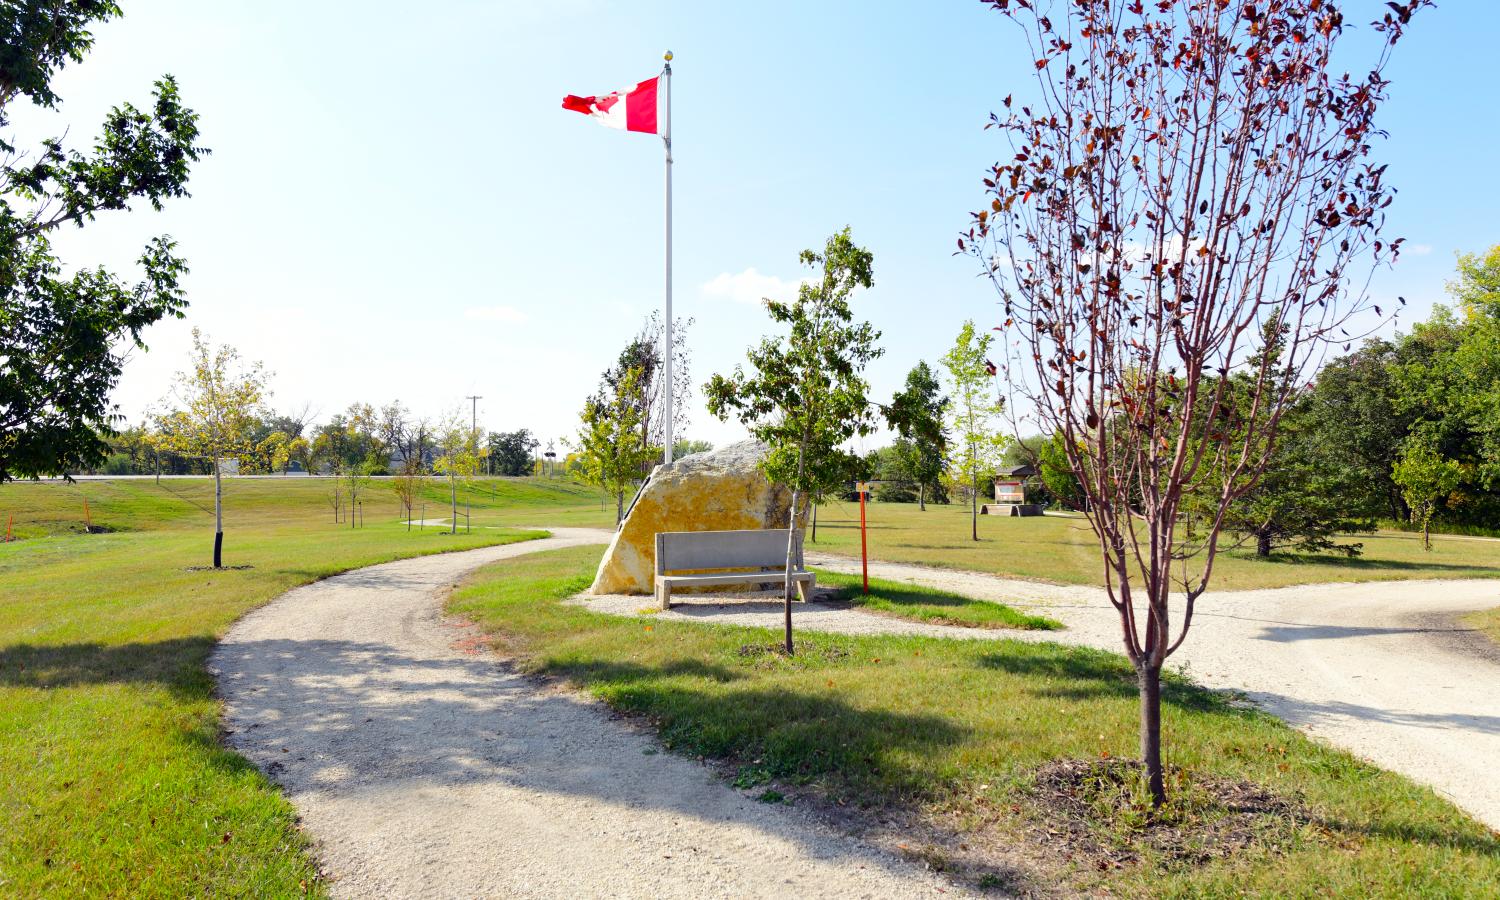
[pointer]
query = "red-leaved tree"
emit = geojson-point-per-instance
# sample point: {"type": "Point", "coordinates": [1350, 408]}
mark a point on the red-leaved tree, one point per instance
{"type": "Point", "coordinates": [1175, 240]}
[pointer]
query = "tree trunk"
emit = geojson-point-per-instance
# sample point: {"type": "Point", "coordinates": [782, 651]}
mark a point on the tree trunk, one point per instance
{"type": "Point", "coordinates": [815, 522]}
{"type": "Point", "coordinates": [453, 497]}
{"type": "Point", "coordinates": [1150, 689]}
{"type": "Point", "coordinates": [619, 508]}
{"type": "Point", "coordinates": [218, 517]}
{"type": "Point", "coordinates": [791, 532]}
{"type": "Point", "coordinates": [921, 496]}
{"type": "Point", "coordinates": [974, 508]}
{"type": "Point", "coordinates": [1263, 544]}
{"type": "Point", "coordinates": [1427, 533]}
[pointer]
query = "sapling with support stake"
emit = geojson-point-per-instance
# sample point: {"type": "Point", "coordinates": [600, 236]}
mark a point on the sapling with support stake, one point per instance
{"type": "Point", "coordinates": [807, 396]}
{"type": "Point", "coordinates": [1185, 201]}
{"type": "Point", "coordinates": [220, 401]}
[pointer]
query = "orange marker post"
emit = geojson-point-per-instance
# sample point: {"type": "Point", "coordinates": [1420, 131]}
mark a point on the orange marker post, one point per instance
{"type": "Point", "coordinates": [88, 520]}
{"type": "Point", "coordinates": [864, 557]}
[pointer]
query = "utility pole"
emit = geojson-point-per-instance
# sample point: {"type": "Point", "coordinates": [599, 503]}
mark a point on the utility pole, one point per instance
{"type": "Point", "coordinates": [474, 423]}
{"type": "Point", "coordinates": [474, 414]}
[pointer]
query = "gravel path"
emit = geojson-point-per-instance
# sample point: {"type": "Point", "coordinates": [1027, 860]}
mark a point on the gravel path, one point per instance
{"type": "Point", "coordinates": [1382, 669]}
{"type": "Point", "coordinates": [423, 768]}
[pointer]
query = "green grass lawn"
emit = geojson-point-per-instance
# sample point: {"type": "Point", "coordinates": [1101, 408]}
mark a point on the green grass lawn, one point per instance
{"type": "Point", "coordinates": [519, 502]}
{"type": "Point", "coordinates": [949, 732]}
{"type": "Point", "coordinates": [924, 604]}
{"type": "Point", "coordinates": [1062, 549]}
{"type": "Point", "coordinates": [1487, 622]}
{"type": "Point", "coordinates": [113, 780]}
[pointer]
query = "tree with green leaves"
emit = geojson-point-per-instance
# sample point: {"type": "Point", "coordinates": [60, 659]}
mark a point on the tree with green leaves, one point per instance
{"type": "Point", "coordinates": [1426, 479]}
{"type": "Point", "coordinates": [407, 484]}
{"type": "Point", "coordinates": [298, 451]}
{"type": "Point", "coordinates": [1358, 417]}
{"type": "Point", "coordinates": [511, 452]}
{"type": "Point", "coordinates": [218, 407]}
{"type": "Point", "coordinates": [458, 445]}
{"type": "Point", "coordinates": [1476, 286]}
{"type": "Point", "coordinates": [916, 414]}
{"type": "Point", "coordinates": [272, 454]}
{"type": "Point", "coordinates": [642, 356]}
{"type": "Point", "coordinates": [61, 335]}
{"type": "Point", "coordinates": [611, 442]}
{"type": "Point", "coordinates": [1301, 499]}
{"type": "Point", "coordinates": [1057, 474]}
{"type": "Point", "coordinates": [893, 468]}
{"type": "Point", "coordinates": [331, 453]}
{"type": "Point", "coordinates": [978, 444]}
{"type": "Point", "coordinates": [807, 395]}
{"type": "Point", "coordinates": [688, 446]}
{"type": "Point", "coordinates": [356, 479]}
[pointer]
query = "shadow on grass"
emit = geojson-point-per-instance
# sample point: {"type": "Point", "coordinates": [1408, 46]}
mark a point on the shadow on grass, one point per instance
{"type": "Point", "coordinates": [1363, 564]}
{"type": "Point", "coordinates": [790, 734]}
{"type": "Point", "coordinates": [1488, 845]}
{"type": "Point", "coordinates": [176, 664]}
{"type": "Point", "coordinates": [928, 604]}
{"type": "Point", "coordinates": [909, 597]}
{"type": "Point", "coordinates": [1081, 673]}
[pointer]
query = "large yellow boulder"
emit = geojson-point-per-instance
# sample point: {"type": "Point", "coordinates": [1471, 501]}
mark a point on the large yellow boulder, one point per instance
{"type": "Point", "coordinates": [719, 490]}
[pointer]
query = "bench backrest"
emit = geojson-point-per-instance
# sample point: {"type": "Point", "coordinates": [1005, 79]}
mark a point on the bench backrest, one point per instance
{"type": "Point", "coordinates": [678, 551]}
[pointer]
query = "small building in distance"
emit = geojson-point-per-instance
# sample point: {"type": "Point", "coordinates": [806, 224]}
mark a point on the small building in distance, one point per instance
{"type": "Point", "coordinates": [1010, 493]}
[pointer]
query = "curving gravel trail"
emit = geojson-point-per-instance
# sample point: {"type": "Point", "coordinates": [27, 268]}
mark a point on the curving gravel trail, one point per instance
{"type": "Point", "coordinates": [424, 768]}
{"type": "Point", "coordinates": [1382, 669]}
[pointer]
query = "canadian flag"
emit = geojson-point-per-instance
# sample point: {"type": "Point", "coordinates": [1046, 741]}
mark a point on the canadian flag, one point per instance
{"type": "Point", "coordinates": [633, 109]}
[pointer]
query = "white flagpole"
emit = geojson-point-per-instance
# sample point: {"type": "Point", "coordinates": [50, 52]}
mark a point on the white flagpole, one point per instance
{"type": "Point", "coordinates": [666, 352]}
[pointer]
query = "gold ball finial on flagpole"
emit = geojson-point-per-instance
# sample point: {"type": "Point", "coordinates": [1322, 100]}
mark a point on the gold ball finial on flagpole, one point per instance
{"type": "Point", "coordinates": [667, 56]}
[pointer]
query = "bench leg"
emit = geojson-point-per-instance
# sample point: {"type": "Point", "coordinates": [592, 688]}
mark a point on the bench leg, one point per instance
{"type": "Point", "coordinates": [804, 589]}
{"type": "Point", "coordinates": [664, 593]}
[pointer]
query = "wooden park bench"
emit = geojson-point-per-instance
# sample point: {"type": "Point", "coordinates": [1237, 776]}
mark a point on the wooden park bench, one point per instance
{"type": "Point", "coordinates": [713, 558]}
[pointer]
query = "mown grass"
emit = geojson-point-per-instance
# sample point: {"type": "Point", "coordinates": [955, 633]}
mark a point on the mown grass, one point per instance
{"type": "Point", "coordinates": [1063, 549]}
{"type": "Point", "coordinates": [924, 604]}
{"type": "Point", "coordinates": [113, 780]}
{"type": "Point", "coordinates": [1487, 622]}
{"type": "Point", "coordinates": [948, 731]}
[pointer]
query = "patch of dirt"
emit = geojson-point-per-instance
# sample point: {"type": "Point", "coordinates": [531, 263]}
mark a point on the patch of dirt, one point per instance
{"type": "Point", "coordinates": [811, 651]}
{"type": "Point", "coordinates": [1098, 811]}
{"type": "Point", "coordinates": [219, 569]}
{"type": "Point", "coordinates": [92, 529]}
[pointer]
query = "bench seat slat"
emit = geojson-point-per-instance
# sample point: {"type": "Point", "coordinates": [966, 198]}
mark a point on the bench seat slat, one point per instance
{"type": "Point", "coordinates": [732, 578]}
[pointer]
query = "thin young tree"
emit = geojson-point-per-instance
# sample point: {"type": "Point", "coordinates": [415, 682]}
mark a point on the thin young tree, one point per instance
{"type": "Point", "coordinates": [356, 479]}
{"type": "Point", "coordinates": [807, 396]}
{"type": "Point", "coordinates": [408, 484]}
{"type": "Point", "coordinates": [458, 445]}
{"type": "Point", "coordinates": [331, 455]}
{"type": "Point", "coordinates": [218, 407]}
{"type": "Point", "coordinates": [1426, 479]}
{"type": "Point", "coordinates": [611, 440]}
{"type": "Point", "coordinates": [916, 414]}
{"type": "Point", "coordinates": [978, 444]}
{"type": "Point", "coordinates": [1188, 177]}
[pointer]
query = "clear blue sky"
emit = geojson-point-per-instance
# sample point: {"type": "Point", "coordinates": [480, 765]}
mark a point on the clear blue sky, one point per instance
{"type": "Point", "coordinates": [396, 206]}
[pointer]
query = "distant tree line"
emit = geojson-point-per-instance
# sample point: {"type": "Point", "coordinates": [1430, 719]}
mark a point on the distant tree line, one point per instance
{"type": "Point", "coordinates": [1401, 431]}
